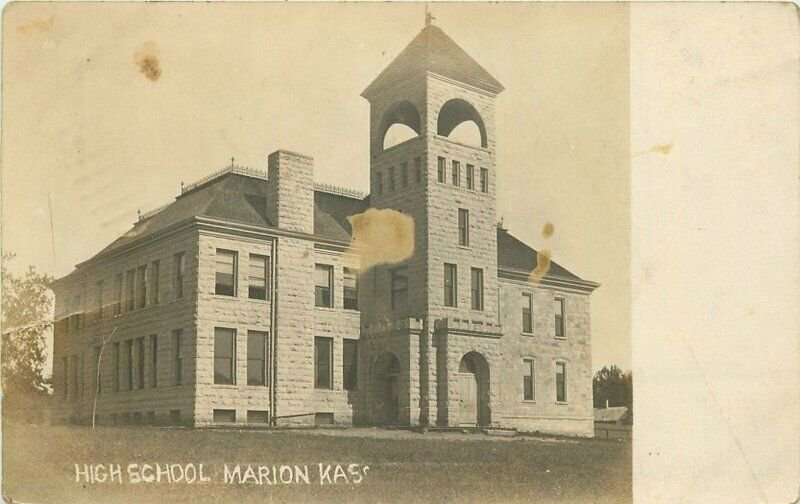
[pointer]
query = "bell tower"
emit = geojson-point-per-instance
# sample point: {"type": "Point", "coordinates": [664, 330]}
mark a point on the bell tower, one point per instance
{"type": "Point", "coordinates": [446, 183]}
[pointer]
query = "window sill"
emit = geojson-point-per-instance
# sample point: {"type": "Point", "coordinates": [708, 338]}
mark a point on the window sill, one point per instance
{"type": "Point", "coordinates": [529, 334]}
{"type": "Point", "coordinates": [464, 247]}
{"type": "Point", "coordinates": [529, 401]}
{"type": "Point", "coordinates": [325, 308]}
{"type": "Point", "coordinates": [562, 403]}
{"type": "Point", "coordinates": [561, 338]}
{"type": "Point", "coordinates": [223, 296]}
{"type": "Point", "coordinates": [257, 300]}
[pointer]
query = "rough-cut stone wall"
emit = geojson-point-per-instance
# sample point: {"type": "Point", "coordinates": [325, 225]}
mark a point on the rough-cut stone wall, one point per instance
{"type": "Point", "coordinates": [161, 319]}
{"type": "Point", "coordinates": [290, 191]}
{"type": "Point", "coordinates": [237, 312]}
{"type": "Point", "coordinates": [544, 414]}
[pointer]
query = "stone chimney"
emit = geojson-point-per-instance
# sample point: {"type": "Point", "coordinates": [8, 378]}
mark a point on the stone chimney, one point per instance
{"type": "Point", "coordinates": [290, 191]}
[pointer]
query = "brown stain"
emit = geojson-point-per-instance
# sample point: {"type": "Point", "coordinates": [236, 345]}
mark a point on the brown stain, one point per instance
{"type": "Point", "coordinates": [148, 62]}
{"type": "Point", "coordinates": [548, 230]}
{"type": "Point", "coordinates": [664, 149]}
{"type": "Point", "coordinates": [542, 266]}
{"type": "Point", "coordinates": [381, 236]}
{"type": "Point", "coordinates": [40, 25]}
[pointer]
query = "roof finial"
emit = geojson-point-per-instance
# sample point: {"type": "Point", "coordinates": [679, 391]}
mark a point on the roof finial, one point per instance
{"type": "Point", "coordinates": [428, 16]}
{"type": "Point", "coordinates": [232, 161]}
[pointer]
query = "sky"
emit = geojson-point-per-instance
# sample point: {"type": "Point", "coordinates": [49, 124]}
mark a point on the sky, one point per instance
{"type": "Point", "coordinates": [107, 108]}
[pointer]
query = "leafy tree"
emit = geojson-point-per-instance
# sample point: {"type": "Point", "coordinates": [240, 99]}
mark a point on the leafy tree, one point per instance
{"type": "Point", "coordinates": [26, 317]}
{"type": "Point", "coordinates": [614, 385]}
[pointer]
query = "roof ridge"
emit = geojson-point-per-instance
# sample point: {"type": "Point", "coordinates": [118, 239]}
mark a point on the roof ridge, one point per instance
{"type": "Point", "coordinates": [339, 191]}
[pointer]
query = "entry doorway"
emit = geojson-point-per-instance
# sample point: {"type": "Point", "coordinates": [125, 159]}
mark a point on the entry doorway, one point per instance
{"type": "Point", "coordinates": [386, 370]}
{"type": "Point", "coordinates": [473, 390]}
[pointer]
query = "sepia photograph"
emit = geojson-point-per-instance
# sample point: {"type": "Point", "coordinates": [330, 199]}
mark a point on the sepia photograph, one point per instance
{"type": "Point", "coordinates": [318, 252]}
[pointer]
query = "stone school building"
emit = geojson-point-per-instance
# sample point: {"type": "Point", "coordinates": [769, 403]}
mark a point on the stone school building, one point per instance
{"type": "Point", "coordinates": [242, 301]}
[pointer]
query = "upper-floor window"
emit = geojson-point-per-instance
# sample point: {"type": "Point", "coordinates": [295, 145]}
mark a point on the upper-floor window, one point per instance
{"type": "Point", "coordinates": [463, 227]}
{"type": "Point", "coordinates": [256, 358]}
{"type": "Point", "coordinates": [140, 356]}
{"type": "Point", "coordinates": [350, 364]}
{"type": "Point", "coordinates": [258, 273]}
{"type": "Point", "coordinates": [392, 186]}
{"type": "Point", "coordinates": [179, 266]}
{"type": "Point", "coordinates": [130, 287]}
{"type": "Point", "coordinates": [224, 356]}
{"type": "Point", "coordinates": [129, 364]}
{"type": "Point", "coordinates": [118, 294]}
{"type": "Point", "coordinates": [115, 367]}
{"type": "Point", "coordinates": [350, 289]}
{"type": "Point", "coordinates": [399, 288]}
{"type": "Point", "coordinates": [225, 283]}
{"type": "Point", "coordinates": [558, 306]}
{"type": "Point", "coordinates": [323, 285]}
{"type": "Point", "coordinates": [527, 313]}
{"type": "Point", "coordinates": [528, 380]}
{"type": "Point", "coordinates": [417, 169]}
{"type": "Point", "coordinates": [440, 169]}
{"type": "Point", "coordinates": [323, 363]}
{"type": "Point", "coordinates": [450, 285]}
{"type": "Point", "coordinates": [484, 180]}
{"type": "Point", "coordinates": [154, 360]}
{"type": "Point", "coordinates": [470, 177]}
{"type": "Point", "coordinates": [456, 173]}
{"type": "Point", "coordinates": [154, 281]}
{"type": "Point", "coordinates": [379, 183]}
{"type": "Point", "coordinates": [476, 288]}
{"type": "Point", "coordinates": [98, 293]}
{"type": "Point", "coordinates": [404, 175]}
{"type": "Point", "coordinates": [561, 381]}
{"type": "Point", "coordinates": [141, 286]}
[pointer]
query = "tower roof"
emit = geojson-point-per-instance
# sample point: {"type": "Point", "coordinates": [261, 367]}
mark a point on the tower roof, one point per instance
{"type": "Point", "coordinates": [433, 51]}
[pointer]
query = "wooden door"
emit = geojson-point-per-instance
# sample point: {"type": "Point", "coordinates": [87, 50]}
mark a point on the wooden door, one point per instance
{"type": "Point", "coordinates": [468, 393]}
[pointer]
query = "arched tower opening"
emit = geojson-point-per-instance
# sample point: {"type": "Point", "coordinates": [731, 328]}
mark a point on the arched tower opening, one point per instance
{"type": "Point", "coordinates": [459, 121]}
{"type": "Point", "coordinates": [401, 122]}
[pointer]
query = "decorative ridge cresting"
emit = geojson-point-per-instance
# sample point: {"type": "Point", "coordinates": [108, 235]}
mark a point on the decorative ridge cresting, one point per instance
{"type": "Point", "coordinates": [339, 191]}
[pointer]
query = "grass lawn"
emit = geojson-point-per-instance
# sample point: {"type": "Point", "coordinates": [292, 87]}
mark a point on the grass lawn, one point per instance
{"type": "Point", "coordinates": [38, 466]}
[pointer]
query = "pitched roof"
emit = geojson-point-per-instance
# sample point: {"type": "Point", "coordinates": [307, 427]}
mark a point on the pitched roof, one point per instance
{"type": "Point", "coordinates": [242, 199]}
{"type": "Point", "coordinates": [614, 414]}
{"type": "Point", "coordinates": [433, 51]}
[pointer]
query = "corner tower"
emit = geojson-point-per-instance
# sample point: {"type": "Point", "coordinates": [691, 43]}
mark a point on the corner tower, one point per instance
{"type": "Point", "coordinates": [447, 185]}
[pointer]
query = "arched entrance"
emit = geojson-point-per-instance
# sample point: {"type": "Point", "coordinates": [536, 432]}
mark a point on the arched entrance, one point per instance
{"type": "Point", "coordinates": [473, 390]}
{"type": "Point", "coordinates": [386, 371]}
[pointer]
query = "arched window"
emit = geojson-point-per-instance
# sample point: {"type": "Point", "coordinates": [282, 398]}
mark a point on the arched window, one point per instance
{"type": "Point", "coordinates": [461, 122]}
{"type": "Point", "coordinates": [400, 123]}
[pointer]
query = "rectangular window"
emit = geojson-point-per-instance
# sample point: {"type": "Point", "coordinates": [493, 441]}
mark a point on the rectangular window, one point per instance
{"type": "Point", "coordinates": [558, 306]}
{"type": "Point", "coordinates": [470, 177]}
{"type": "Point", "coordinates": [115, 368]}
{"type": "Point", "coordinates": [130, 287]}
{"type": "Point", "coordinates": [561, 382]}
{"type": "Point", "coordinates": [323, 285]}
{"type": "Point", "coordinates": [74, 376]}
{"type": "Point", "coordinates": [98, 383]}
{"type": "Point", "coordinates": [177, 341]}
{"type": "Point", "coordinates": [379, 183]}
{"type": "Point", "coordinates": [257, 276]}
{"type": "Point", "coordinates": [98, 295]}
{"type": "Point", "coordinates": [399, 288]}
{"type": "Point", "coordinates": [440, 173]}
{"type": "Point", "coordinates": [82, 375]}
{"type": "Point", "coordinates": [224, 353]}
{"type": "Point", "coordinates": [404, 175]}
{"type": "Point", "coordinates": [225, 283]}
{"type": "Point", "coordinates": [484, 180]}
{"type": "Point", "coordinates": [350, 294]}
{"type": "Point", "coordinates": [323, 360]}
{"type": "Point", "coordinates": [129, 364]}
{"type": "Point", "coordinates": [140, 362]}
{"type": "Point", "coordinates": [527, 313]}
{"type": "Point", "coordinates": [154, 280]}
{"type": "Point", "coordinates": [118, 294]}
{"type": "Point", "coordinates": [450, 285]}
{"type": "Point", "coordinates": [456, 173]}
{"type": "Point", "coordinates": [418, 169]}
{"type": "Point", "coordinates": [463, 227]}
{"type": "Point", "coordinates": [528, 380]}
{"type": "Point", "coordinates": [141, 287]}
{"type": "Point", "coordinates": [476, 287]}
{"type": "Point", "coordinates": [391, 179]}
{"type": "Point", "coordinates": [178, 267]}
{"type": "Point", "coordinates": [256, 358]}
{"type": "Point", "coordinates": [65, 366]}
{"type": "Point", "coordinates": [350, 364]}
{"type": "Point", "coordinates": [154, 360]}
{"type": "Point", "coordinates": [224, 416]}
{"type": "Point", "coordinates": [257, 417]}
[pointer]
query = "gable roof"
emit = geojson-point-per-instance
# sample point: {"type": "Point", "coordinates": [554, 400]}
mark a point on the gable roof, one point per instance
{"type": "Point", "coordinates": [239, 198]}
{"type": "Point", "coordinates": [433, 51]}
{"type": "Point", "coordinates": [613, 414]}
